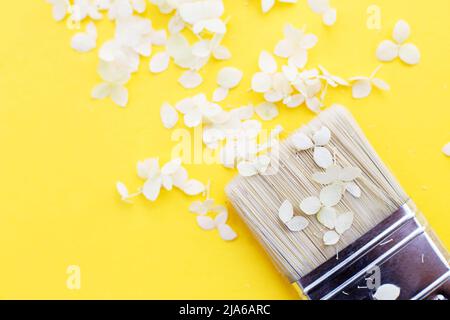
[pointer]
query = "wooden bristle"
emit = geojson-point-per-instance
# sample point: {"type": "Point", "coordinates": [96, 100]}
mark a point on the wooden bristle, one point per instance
{"type": "Point", "coordinates": [258, 198]}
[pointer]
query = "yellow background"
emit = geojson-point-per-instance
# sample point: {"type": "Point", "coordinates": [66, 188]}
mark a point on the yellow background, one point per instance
{"type": "Point", "coordinates": [61, 152]}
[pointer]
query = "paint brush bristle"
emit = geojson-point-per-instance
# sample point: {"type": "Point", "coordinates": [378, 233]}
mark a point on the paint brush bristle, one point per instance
{"type": "Point", "coordinates": [257, 199]}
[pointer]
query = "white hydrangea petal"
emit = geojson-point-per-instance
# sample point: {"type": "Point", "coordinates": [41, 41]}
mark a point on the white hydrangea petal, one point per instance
{"type": "Point", "coordinates": [286, 211]}
{"type": "Point", "coordinates": [314, 104]}
{"type": "Point", "coordinates": [266, 5]}
{"type": "Point", "coordinates": [410, 54]}
{"type": "Point", "coordinates": [226, 232]}
{"type": "Point", "coordinates": [229, 77]}
{"type": "Point", "coordinates": [322, 137]}
{"type": "Point", "coordinates": [297, 224]}
{"type": "Point", "coordinates": [319, 6]}
{"type": "Point", "coordinates": [148, 168]}
{"type": "Point", "coordinates": [139, 5]}
{"type": "Point", "coordinates": [387, 292]}
{"type": "Point", "coordinates": [171, 167]}
{"type": "Point", "coordinates": [221, 53]}
{"type": "Point", "coordinates": [381, 84]}
{"type": "Point", "coordinates": [344, 222]}
{"type": "Point", "coordinates": [311, 205]}
{"type": "Point", "coordinates": [294, 101]}
{"type": "Point", "coordinates": [122, 190]}
{"type": "Point", "coordinates": [84, 42]}
{"type": "Point", "coordinates": [329, 17]}
{"type": "Point", "coordinates": [330, 238]}
{"type": "Point", "coordinates": [198, 208]}
{"type": "Point", "coordinates": [446, 149]}
{"type": "Point", "coordinates": [327, 217]}
{"type": "Point", "coordinates": [246, 169]}
{"type": "Point", "coordinates": [331, 195]}
{"type": "Point", "coordinates": [167, 182]}
{"type": "Point", "coordinates": [176, 24]}
{"type": "Point", "coordinates": [299, 58]}
{"type": "Point", "coordinates": [402, 31]}
{"type": "Point", "coordinates": [119, 95]}
{"type": "Point", "coordinates": [323, 157]}
{"type": "Point", "coordinates": [206, 223]}
{"type": "Point", "coordinates": [284, 48]}
{"type": "Point", "coordinates": [387, 51]}
{"type": "Point", "coordinates": [221, 218]}
{"type": "Point", "coordinates": [301, 141]}
{"type": "Point", "coordinates": [350, 173]}
{"type": "Point", "coordinates": [353, 189]}
{"type": "Point", "coordinates": [159, 37]}
{"type": "Point", "coordinates": [151, 188]}
{"type": "Point", "coordinates": [329, 176]}
{"type": "Point", "coordinates": [180, 178]}
{"type": "Point", "coordinates": [101, 91]}
{"type": "Point", "coordinates": [169, 116]}
{"type": "Point", "coordinates": [261, 82]}
{"type": "Point", "coordinates": [190, 79]}
{"type": "Point", "coordinates": [159, 62]}
{"type": "Point", "coordinates": [220, 94]}
{"type": "Point", "coordinates": [361, 89]}
{"type": "Point", "coordinates": [267, 62]}
{"type": "Point", "coordinates": [193, 187]}
{"type": "Point", "coordinates": [267, 111]}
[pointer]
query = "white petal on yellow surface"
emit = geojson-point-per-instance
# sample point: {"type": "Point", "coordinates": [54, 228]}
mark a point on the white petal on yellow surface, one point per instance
{"type": "Point", "coordinates": [331, 195]}
{"type": "Point", "coordinates": [198, 207]}
{"type": "Point", "coordinates": [261, 82]}
{"type": "Point", "coordinates": [190, 79]}
{"type": "Point", "coordinates": [180, 178]}
{"type": "Point", "coordinates": [402, 31]}
{"type": "Point", "coordinates": [122, 190]}
{"type": "Point", "coordinates": [221, 218]}
{"type": "Point", "coordinates": [206, 223]}
{"type": "Point", "coordinates": [119, 96]}
{"type": "Point", "coordinates": [387, 51]}
{"type": "Point", "coordinates": [297, 224]}
{"type": "Point", "coordinates": [361, 89]}
{"type": "Point", "coordinates": [226, 232]}
{"type": "Point", "coordinates": [446, 149]}
{"type": "Point", "coordinates": [193, 187]}
{"type": "Point", "coordinates": [266, 5]}
{"type": "Point", "coordinates": [267, 111]}
{"type": "Point", "coordinates": [387, 292]}
{"type": "Point", "coordinates": [322, 137]}
{"type": "Point", "coordinates": [159, 62]}
{"type": "Point", "coordinates": [85, 41]}
{"type": "Point", "coordinates": [171, 167]}
{"type": "Point", "coordinates": [301, 141]}
{"type": "Point", "coordinates": [330, 238]}
{"type": "Point", "coordinates": [381, 84]}
{"type": "Point", "coordinates": [329, 17]}
{"type": "Point", "coordinates": [319, 6]}
{"type": "Point", "coordinates": [286, 211]}
{"type": "Point", "coordinates": [151, 189]}
{"type": "Point", "coordinates": [311, 205]}
{"type": "Point", "coordinates": [327, 217]}
{"type": "Point", "coordinates": [267, 62]}
{"type": "Point", "coordinates": [323, 157]}
{"type": "Point", "coordinates": [344, 222]}
{"type": "Point", "coordinates": [220, 94]}
{"type": "Point", "coordinates": [169, 116]}
{"type": "Point", "coordinates": [229, 77]}
{"type": "Point", "coordinates": [410, 54]}
{"type": "Point", "coordinates": [101, 91]}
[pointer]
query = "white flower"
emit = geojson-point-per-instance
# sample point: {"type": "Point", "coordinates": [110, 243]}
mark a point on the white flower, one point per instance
{"type": "Point", "coordinates": [169, 116]}
{"type": "Point", "coordinates": [362, 86]}
{"type": "Point", "coordinates": [219, 222]}
{"type": "Point", "coordinates": [308, 84]}
{"type": "Point", "coordinates": [266, 5]}
{"type": "Point", "coordinates": [198, 109]}
{"type": "Point", "coordinates": [331, 79]}
{"type": "Point", "coordinates": [342, 177]}
{"type": "Point", "coordinates": [172, 174]}
{"type": "Point", "coordinates": [387, 292]}
{"type": "Point", "coordinates": [115, 77]}
{"type": "Point", "coordinates": [323, 8]}
{"type": "Point", "coordinates": [322, 156]}
{"type": "Point", "coordinates": [286, 215]}
{"type": "Point", "coordinates": [87, 8]}
{"type": "Point", "coordinates": [295, 46]}
{"type": "Point", "coordinates": [228, 78]}
{"type": "Point", "coordinates": [389, 50]}
{"type": "Point", "coordinates": [203, 15]}
{"type": "Point", "coordinates": [85, 41]}
{"type": "Point", "coordinates": [120, 9]}
{"type": "Point", "coordinates": [256, 166]}
{"type": "Point", "coordinates": [60, 8]}
{"type": "Point", "coordinates": [446, 149]}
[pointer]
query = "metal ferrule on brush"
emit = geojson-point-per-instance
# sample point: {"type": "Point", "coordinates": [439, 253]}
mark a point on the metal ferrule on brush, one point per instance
{"type": "Point", "coordinates": [401, 249]}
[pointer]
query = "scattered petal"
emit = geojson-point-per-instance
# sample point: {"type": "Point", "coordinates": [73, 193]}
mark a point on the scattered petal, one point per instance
{"type": "Point", "coordinates": [323, 157]}
{"type": "Point", "coordinates": [361, 89]}
{"type": "Point", "coordinates": [226, 232]}
{"type": "Point", "coordinates": [206, 223]}
{"type": "Point", "coordinates": [220, 94]}
{"type": "Point", "coordinates": [330, 238]}
{"type": "Point", "coordinates": [344, 222]}
{"type": "Point", "coordinates": [193, 187]}
{"type": "Point", "coordinates": [261, 82]}
{"type": "Point", "coordinates": [327, 216]}
{"type": "Point", "coordinates": [322, 137]}
{"type": "Point", "coordinates": [297, 224]}
{"type": "Point", "coordinates": [159, 62]}
{"type": "Point", "coordinates": [190, 79]}
{"type": "Point", "coordinates": [446, 149]}
{"type": "Point", "coordinates": [353, 189]}
{"type": "Point", "coordinates": [229, 77]}
{"type": "Point", "coordinates": [122, 190]}
{"type": "Point", "coordinates": [267, 111]}
{"type": "Point", "coordinates": [169, 116]}
{"type": "Point", "coordinates": [329, 17]}
{"type": "Point", "coordinates": [387, 292]}
{"type": "Point", "coordinates": [402, 31]}
{"type": "Point", "coordinates": [267, 63]}
{"type": "Point", "coordinates": [381, 84]}
{"type": "Point", "coordinates": [311, 205]}
{"type": "Point", "coordinates": [286, 211]}
{"type": "Point", "coordinates": [409, 54]}
{"type": "Point", "coordinates": [331, 195]}
{"type": "Point", "coordinates": [387, 51]}
{"type": "Point", "coordinates": [302, 141]}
